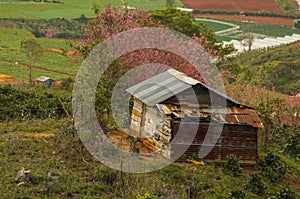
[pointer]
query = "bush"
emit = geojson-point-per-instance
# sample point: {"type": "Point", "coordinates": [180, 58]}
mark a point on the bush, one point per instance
{"type": "Point", "coordinates": [232, 167]}
{"type": "Point", "coordinates": [272, 167]}
{"type": "Point", "coordinates": [286, 193]}
{"type": "Point", "coordinates": [292, 148]}
{"type": "Point", "coordinates": [66, 83]}
{"type": "Point", "coordinates": [146, 196]}
{"type": "Point", "coordinates": [237, 194]}
{"type": "Point", "coordinates": [255, 184]}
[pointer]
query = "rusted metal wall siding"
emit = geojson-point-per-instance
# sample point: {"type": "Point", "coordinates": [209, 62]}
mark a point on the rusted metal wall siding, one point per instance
{"type": "Point", "coordinates": [235, 139]}
{"type": "Point", "coordinates": [240, 140]}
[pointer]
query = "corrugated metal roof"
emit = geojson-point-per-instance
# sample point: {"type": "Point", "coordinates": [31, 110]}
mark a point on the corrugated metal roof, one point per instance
{"type": "Point", "coordinates": [160, 87]}
{"type": "Point", "coordinates": [165, 85]}
{"type": "Point", "coordinates": [43, 78]}
{"type": "Point", "coordinates": [240, 116]}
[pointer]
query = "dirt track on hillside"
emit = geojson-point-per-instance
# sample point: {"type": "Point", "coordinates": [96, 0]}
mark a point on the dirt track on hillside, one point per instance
{"type": "Point", "coordinates": [38, 68]}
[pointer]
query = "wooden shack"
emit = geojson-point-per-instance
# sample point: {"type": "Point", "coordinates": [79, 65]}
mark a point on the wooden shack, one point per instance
{"type": "Point", "coordinates": [158, 114]}
{"type": "Point", "coordinates": [43, 80]}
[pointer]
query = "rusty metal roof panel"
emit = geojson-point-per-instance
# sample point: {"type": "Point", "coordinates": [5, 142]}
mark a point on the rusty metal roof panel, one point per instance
{"type": "Point", "coordinates": [239, 116]}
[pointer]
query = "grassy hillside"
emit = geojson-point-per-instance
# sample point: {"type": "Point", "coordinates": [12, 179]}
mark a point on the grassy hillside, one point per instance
{"type": "Point", "coordinates": [11, 38]}
{"type": "Point", "coordinates": [38, 148]}
{"type": "Point", "coordinates": [68, 8]}
{"type": "Point", "coordinates": [275, 69]}
{"type": "Point", "coordinates": [55, 65]}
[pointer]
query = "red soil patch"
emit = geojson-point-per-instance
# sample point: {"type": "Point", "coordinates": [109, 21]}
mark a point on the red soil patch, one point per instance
{"type": "Point", "coordinates": [261, 20]}
{"type": "Point", "coordinates": [234, 5]}
{"type": "Point", "coordinates": [7, 79]}
{"type": "Point", "coordinates": [71, 53]}
{"type": "Point", "coordinates": [122, 140]}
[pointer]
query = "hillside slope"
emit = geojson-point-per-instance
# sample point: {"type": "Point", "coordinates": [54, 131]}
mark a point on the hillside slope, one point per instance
{"type": "Point", "coordinates": [275, 69]}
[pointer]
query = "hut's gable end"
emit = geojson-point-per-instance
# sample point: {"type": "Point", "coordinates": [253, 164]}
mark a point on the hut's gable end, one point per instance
{"type": "Point", "coordinates": [201, 95]}
{"type": "Point", "coordinates": [136, 116]}
{"type": "Point", "coordinates": [146, 120]}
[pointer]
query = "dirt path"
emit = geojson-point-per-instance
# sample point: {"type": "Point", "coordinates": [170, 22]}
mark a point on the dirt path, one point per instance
{"type": "Point", "coordinates": [29, 134]}
{"type": "Point", "coordinates": [38, 68]}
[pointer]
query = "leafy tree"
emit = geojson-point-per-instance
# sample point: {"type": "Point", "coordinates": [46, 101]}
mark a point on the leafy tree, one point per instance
{"type": "Point", "coordinates": [33, 50]}
{"type": "Point", "coordinates": [272, 167]}
{"type": "Point", "coordinates": [112, 21]}
{"type": "Point", "coordinates": [185, 23]}
{"type": "Point", "coordinates": [292, 147]}
{"type": "Point", "coordinates": [269, 112]}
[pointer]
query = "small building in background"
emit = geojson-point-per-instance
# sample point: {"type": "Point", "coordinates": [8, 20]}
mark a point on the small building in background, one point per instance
{"type": "Point", "coordinates": [163, 107]}
{"type": "Point", "coordinates": [43, 80]}
{"type": "Point", "coordinates": [126, 8]}
{"type": "Point", "coordinates": [186, 10]}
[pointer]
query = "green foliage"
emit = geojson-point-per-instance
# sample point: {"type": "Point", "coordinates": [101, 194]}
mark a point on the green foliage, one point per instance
{"type": "Point", "coordinates": [64, 28]}
{"type": "Point", "coordinates": [274, 69]}
{"type": "Point", "coordinates": [285, 5]}
{"type": "Point", "coordinates": [237, 194]}
{"type": "Point", "coordinates": [33, 50]}
{"type": "Point", "coordinates": [255, 184]}
{"type": "Point", "coordinates": [286, 193]}
{"type": "Point", "coordinates": [66, 83]}
{"type": "Point", "coordinates": [17, 104]}
{"type": "Point", "coordinates": [183, 22]}
{"type": "Point", "coordinates": [146, 196]}
{"type": "Point", "coordinates": [272, 167]}
{"type": "Point", "coordinates": [11, 38]}
{"type": "Point", "coordinates": [232, 166]}
{"type": "Point", "coordinates": [292, 147]}
{"type": "Point", "coordinates": [283, 76]}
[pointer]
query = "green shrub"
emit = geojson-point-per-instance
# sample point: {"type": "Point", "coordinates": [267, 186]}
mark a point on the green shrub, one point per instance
{"type": "Point", "coordinates": [146, 196]}
{"type": "Point", "coordinates": [237, 194]}
{"type": "Point", "coordinates": [255, 184]}
{"type": "Point", "coordinates": [272, 167]}
{"type": "Point", "coordinates": [232, 167]}
{"type": "Point", "coordinates": [286, 193]}
{"type": "Point", "coordinates": [292, 148]}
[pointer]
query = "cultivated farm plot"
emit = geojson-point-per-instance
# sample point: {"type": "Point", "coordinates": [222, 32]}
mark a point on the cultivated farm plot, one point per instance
{"type": "Point", "coordinates": [252, 19]}
{"type": "Point", "coordinates": [13, 61]}
{"type": "Point", "coordinates": [69, 8]}
{"type": "Point", "coordinates": [11, 38]}
{"type": "Point", "coordinates": [214, 25]}
{"type": "Point", "coordinates": [54, 65]}
{"type": "Point", "coordinates": [234, 5]}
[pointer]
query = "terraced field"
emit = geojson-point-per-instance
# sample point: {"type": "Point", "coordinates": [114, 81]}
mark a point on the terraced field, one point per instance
{"type": "Point", "coordinates": [234, 5]}
{"type": "Point", "coordinates": [68, 8]}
